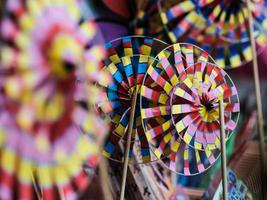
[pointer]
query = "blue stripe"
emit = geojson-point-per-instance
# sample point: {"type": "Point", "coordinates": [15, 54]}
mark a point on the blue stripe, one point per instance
{"type": "Point", "coordinates": [142, 68]}
{"type": "Point", "coordinates": [128, 70]}
{"type": "Point", "coordinates": [118, 77]}
{"type": "Point", "coordinates": [109, 147]}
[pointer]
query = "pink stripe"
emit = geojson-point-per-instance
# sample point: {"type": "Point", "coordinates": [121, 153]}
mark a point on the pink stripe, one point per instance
{"type": "Point", "coordinates": [200, 167]}
{"type": "Point", "coordinates": [210, 137]}
{"type": "Point", "coordinates": [177, 11]}
{"type": "Point", "coordinates": [172, 165]}
{"type": "Point", "coordinates": [230, 124]}
{"type": "Point", "coordinates": [200, 139]}
{"type": "Point", "coordinates": [5, 192]}
{"type": "Point", "coordinates": [186, 171]}
{"type": "Point", "coordinates": [148, 93]}
{"type": "Point", "coordinates": [192, 129]}
{"type": "Point", "coordinates": [165, 63]}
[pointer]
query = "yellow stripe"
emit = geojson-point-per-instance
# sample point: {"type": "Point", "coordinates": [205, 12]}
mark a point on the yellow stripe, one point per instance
{"type": "Point", "coordinates": [8, 160]}
{"type": "Point", "coordinates": [175, 146]}
{"type": "Point", "coordinates": [164, 18]}
{"type": "Point", "coordinates": [186, 154]}
{"type": "Point", "coordinates": [126, 60]}
{"type": "Point", "coordinates": [167, 137]}
{"type": "Point", "coordinates": [187, 138]}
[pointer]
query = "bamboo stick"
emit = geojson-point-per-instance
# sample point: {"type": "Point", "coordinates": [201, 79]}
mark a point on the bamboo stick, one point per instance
{"type": "Point", "coordinates": [260, 124]}
{"type": "Point", "coordinates": [223, 150]}
{"type": "Point", "coordinates": [127, 150]}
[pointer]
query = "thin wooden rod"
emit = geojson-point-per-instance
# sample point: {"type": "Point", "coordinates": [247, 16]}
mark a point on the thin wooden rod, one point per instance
{"type": "Point", "coordinates": [127, 150]}
{"type": "Point", "coordinates": [36, 189]}
{"type": "Point", "coordinates": [223, 151]}
{"type": "Point", "coordinates": [260, 128]}
{"type": "Point", "coordinates": [103, 173]}
{"type": "Point", "coordinates": [105, 181]}
{"type": "Point", "coordinates": [61, 193]}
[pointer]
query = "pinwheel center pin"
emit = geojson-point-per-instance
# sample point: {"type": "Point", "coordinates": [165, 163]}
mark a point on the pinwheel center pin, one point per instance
{"type": "Point", "coordinates": [207, 103]}
{"type": "Point", "coordinates": [63, 53]}
{"type": "Point", "coordinates": [209, 106]}
{"type": "Point", "coordinates": [234, 4]}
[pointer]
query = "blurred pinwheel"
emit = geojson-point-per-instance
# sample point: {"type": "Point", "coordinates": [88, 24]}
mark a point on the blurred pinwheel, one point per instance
{"type": "Point", "coordinates": [180, 109]}
{"type": "Point", "coordinates": [46, 49]}
{"type": "Point", "coordinates": [147, 19]}
{"type": "Point", "coordinates": [127, 62]}
{"type": "Point", "coordinates": [219, 27]}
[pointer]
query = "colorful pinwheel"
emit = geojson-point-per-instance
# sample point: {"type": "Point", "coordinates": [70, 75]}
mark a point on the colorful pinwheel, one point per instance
{"type": "Point", "coordinates": [219, 27]}
{"type": "Point", "coordinates": [180, 109]}
{"type": "Point", "coordinates": [127, 62]}
{"type": "Point", "coordinates": [42, 146]}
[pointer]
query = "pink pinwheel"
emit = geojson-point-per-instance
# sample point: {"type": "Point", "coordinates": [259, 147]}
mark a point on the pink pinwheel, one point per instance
{"type": "Point", "coordinates": [42, 146]}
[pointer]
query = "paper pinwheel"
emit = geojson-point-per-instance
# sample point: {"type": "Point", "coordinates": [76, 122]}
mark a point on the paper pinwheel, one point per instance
{"type": "Point", "coordinates": [180, 109]}
{"type": "Point", "coordinates": [42, 145]}
{"type": "Point", "coordinates": [127, 62]}
{"type": "Point", "coordinates": [219, 27]}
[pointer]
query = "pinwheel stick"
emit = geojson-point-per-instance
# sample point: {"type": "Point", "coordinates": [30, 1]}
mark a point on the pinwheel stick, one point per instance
{"type": "Point", "coordinates": [258, 101]}
{"type": "Point", "coordinates": [103, 172]}
{"type": "Point", "coordinates": [105, 181]}
{"type": "Point", "coordinates": [223, 150]}
{"type": "Point", "coordinates": [127, 150]}
{"type": "Point", "coordinates": [36, 189]}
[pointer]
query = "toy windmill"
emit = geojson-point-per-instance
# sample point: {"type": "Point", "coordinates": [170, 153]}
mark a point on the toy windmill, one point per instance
{"type": "Point", "coordinates": [219, 27]}
{"type": "Point", "coordinates": [127, 62]}
{"type": "Point", "coordinates": [183, 88]}
{"type": "Point", "coordinates": [42, 143]}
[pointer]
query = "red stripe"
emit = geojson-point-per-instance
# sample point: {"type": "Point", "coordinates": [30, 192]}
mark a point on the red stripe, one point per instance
{"type": "Point", "coordinates": [127, 44]}
{"type": "Point", "coordinates": [48, 194]}
{"type": "Point", "coordinates": [26, 191]}
{"type": "Point", "coordinates": [81, 181]}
